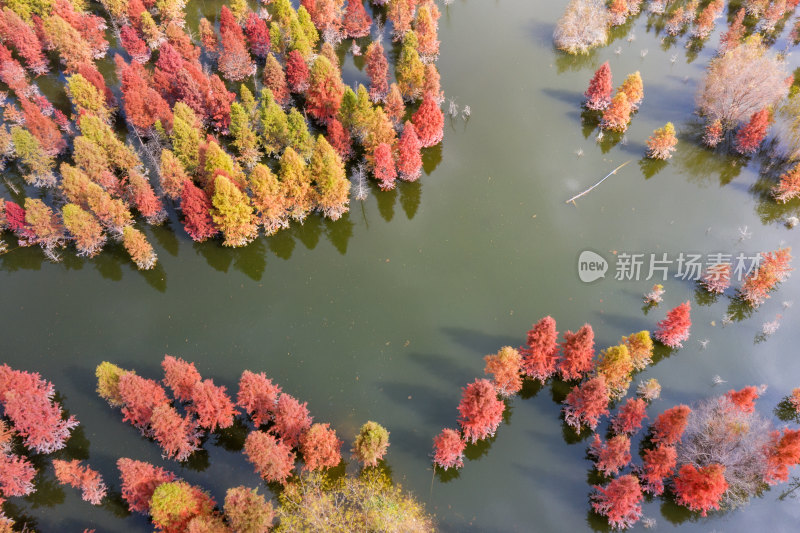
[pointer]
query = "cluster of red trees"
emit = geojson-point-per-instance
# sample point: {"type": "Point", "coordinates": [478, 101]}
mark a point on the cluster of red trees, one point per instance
{"type": "Point", "coordinates": [674, 444]}
{"type": "Point", "coordinates": [616, 110]}
{"type": "Point", "coordinates": [283, 428]}
{"type": "Point", "coordinates": [206, 143]}
{"type": "Point", "coordinates": [573, 360]}
{"type": "Point", "coordinates": [176, 506]}
{"type": "Point", "coordinates": [773, 269]}
{"type": "Point", "coordinates": [32, 415]}
{"type": "Point", "coordinates": [703, 464]}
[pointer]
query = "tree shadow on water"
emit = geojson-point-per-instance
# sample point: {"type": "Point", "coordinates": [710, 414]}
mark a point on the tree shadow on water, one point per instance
{"type": "Point", "coordinates": [651, 167]}
{"type": "Point", "coordinates": [339, 232]}
{"type": "Point", "coordinates": [431, 157]}
{"type": "Point", "coordinates": [386, 201]}
{"type": "Point", "coordinates": [473, 452]}
{"type": "Point", "coordinates": [251, 260]}
{"type": "Point", "coordinates": [281, 244]}
{"type": "Point", "coordinates": [478, 342]}
{"type": "Point", "coordinates": [166, 236]}
{"type": "Point", "coordinates": [410, 197]}
{"type": "Point", "coordinates": [232, 439]}
{"type": "Point", "coordinates": [215, 255]}
{"type": "Point", "coordinates": [308, 232]}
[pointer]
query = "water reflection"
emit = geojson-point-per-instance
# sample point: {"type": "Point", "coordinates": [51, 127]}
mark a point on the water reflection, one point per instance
{"type": "Point", "coordinates": [340, 231]}
{"type": "Point", "coordinates": [431, 157]}
{"type": "Point", "coordinates": [386, 201]}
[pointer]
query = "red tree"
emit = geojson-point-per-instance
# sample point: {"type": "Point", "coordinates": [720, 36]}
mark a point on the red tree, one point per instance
{"type": "Point", "coordinates": [540, 357]}
{"type": "Point", "coordinates": [143, 104]}
{"type": "Point", "coordinates": [598, 95]}
{"type": "Point", "coordinates": [670, 425]}
{"type": "Point", "coordinates": [234, 61]}
{"type": "Point", "coordinates": [577, 352]}
{"type": "Point", "coordinates": [712, 134]}
{"type": "Point", "coordinates": [196, 208]}
{"type": "Point", "coordinates": [272, 458]}
{"type": "Point", "coordinates": [325, 90]}
{"type": "Point", "coordinates": [296, 72]}
{"type": "Point", "coordinates": [24, 39]}
{"type": "Point", "coordinates": [731, 38]}
{"type": "Point", "coordinates": [383, 167]}
{"type": "Point", "coordinates": [674, 329]}
{"type": "Point", "coordinates": [43, 128]}
{"type": "Point", "coordinates": [320, 447]}
{"type": "Point", "coordinates": [400, 13]}
{"type": "Point", "coordinates": [378, 71]}
{"type": "Point", "coordinates": [145, 199]}
{"type": "Point", "coordinates": [611, 456]}
{"type": "Point", "coordinates": [180, 376]}
{"type": "Point", "coordinates": [448, 449]}
{"type": "Point", "coordinates": [744, 399]}
{"type": "Point", "coordinates": [617, 115]}
{"type": "Point", "coordinates": [717, 278]}
{"type": "Point", "coordinates": [91, 27]}
{"type": "Point", "coordinates": [291, 419]}
{"type": "Point", "coordinates": [505, 367]}
{"type": "Point", "coordinates": [12, 73]}
{"type": "Point", "coordinates": [619, 501]}
{"type": "Point", "coordinates": [275, 80]}
{"type": "Point", "coordinates": [218, 104]}
{"type": "Point", "coordinates": [429, 121]}
{"type": "Point", "coordinates": [700, 489]}
{"type": "Point", "coordinates": [257, 35]}
{"type": "Point", "coordinates": [339, 138]}
{"type": "Point", "coordinates": [79, 476]}
{"type": "Point", "coordinates": [657, 464]}
{"type": "Point", "coordinates": [409, 158]}
{"type": "Point", "coordinates": [177, 436]}
{"type": "Point", "coordinates": [783, 451]}
{"type": "Point", "coordinates": [480, 410]}
{"type": "Point", "coordinates": [133, 44]}
{"type": "Point", "coordinates": [36, 417]}
{"type": "Point", "coordinates": [586, 403]}
{"type": "Point", "coordinates": [16, 475]}
{"type": "Point", "coordinates": [326, 16]}
{"type": "Point", "coordinates": [789, 185]}
{"type": "Point", "coordinates": [214, 409]}
{"type": "Point", "coordinates": [356, 22]}
{"type": "Point", "coordinates": [15, 219]}
{"type": "Point", "coordinates": [794, 399]}
{"type": "Point", "coordinates": [774, 268]}
{"type": "Point", "coordinates": [139, 397]}
{"type": "Point", "coordinates": [258, 396]}
{"type": "Point", "coordinates": [393, 106]}
{"type": "Point", "coordinates": [630, 416]}
{"type": "Point", "coordinates": [139, 480]}
{"type": "Point", "coordinates": [749, 136]}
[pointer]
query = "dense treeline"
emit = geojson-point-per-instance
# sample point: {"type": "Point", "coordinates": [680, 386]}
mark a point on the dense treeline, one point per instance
{"type": "Point", "coordinates": [280, 433]}
{"type": "Point", "coordinates": [233, 160]}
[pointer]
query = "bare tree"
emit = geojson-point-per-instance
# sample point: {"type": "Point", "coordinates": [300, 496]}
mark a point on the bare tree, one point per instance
{"type": "Point", "coordinates": [583, 26]}
{"type": "Point", "coordinates": [720, 432]}
{"type": "Point", "coordinates": [744, 80]}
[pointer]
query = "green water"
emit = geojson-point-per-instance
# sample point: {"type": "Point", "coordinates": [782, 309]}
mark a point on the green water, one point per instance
{"type": "Point", "coordinates": [386, 313]}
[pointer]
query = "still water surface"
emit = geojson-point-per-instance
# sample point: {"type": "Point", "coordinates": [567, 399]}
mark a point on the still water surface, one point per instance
{"type": "Point", "coordinates": [386, 313]}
